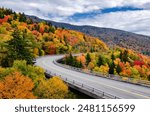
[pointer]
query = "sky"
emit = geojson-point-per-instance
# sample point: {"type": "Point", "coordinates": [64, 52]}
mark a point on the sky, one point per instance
{"type": "Point", "coordinates": [128, 15]}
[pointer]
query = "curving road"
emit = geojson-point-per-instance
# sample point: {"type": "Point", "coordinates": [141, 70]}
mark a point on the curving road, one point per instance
{"type": "Point", "coordinates": [116, 88]}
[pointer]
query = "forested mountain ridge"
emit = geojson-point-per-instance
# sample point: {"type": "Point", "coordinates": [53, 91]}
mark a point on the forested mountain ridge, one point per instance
{"type": "Point", "coordinates": [112, 37]}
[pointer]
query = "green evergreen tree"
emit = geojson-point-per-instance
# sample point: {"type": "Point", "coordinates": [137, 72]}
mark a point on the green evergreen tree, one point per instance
{"type": "Point", "coordinates": [70, 60]}
{"type": "Point", "coordinates": [22, 17]}
{"type": "Point", "coordinates": [92, 50]}
{"type": "Point", "coordinates": [18, 49]}
{"type": "Point", "coordinates": [88, 58]}
{"type": "Point", "coordinates": [15, 16]}
{"type": "Point", "coordinates": [125, 56]}
{"type": "Point", "coordinates": [112, 56]}
{"type": "Point", "coordinates": [100, 60]}
{"type": "Point", "coordinates": [121, 56]}
{"type": "Point", "coordinates": [8, 11]}
{"type": "Point", "coordinates": [80, 65]}
{"type": "Point", "coordinates": [1, 15]}
{"type": "Point", "coordinates": [111, 67]}
{"type": "Point", "coordinates": [118, 69]}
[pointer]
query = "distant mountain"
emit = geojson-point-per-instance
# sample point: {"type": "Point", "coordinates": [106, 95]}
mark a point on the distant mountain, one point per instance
{"type": "Point", "coordinates": [112, 37]}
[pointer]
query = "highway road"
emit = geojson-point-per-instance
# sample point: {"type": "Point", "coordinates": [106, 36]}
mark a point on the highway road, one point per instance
{"type": "Point", "coordinates": [115, 88]}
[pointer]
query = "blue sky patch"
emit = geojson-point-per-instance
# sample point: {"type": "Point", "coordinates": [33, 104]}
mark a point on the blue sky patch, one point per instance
{"type": "Point", "coordinates": [78, 16]}
{"type": "Point", "coordinates": [119, 9]}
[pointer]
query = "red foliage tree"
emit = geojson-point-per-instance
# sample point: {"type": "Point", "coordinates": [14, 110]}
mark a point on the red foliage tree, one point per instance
{"type": "Point", "coordinates": [137, 62]}
{"type": "Point", "coordinates": [5, 19]}
{"type": "Point", "coordinates": [52, 49]}
{"type": "Point", "coordinates": [122, 66]}
{"type": "Point", "coordinates": [35, 32]}
{"type": "Point", "coordinates": [41, 30]}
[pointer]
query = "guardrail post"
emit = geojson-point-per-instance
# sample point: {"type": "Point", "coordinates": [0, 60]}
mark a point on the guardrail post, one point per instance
{"type": "Point", "coordinates": [82, 85]}
{"type": "Point", "coordinates": [73, 82]}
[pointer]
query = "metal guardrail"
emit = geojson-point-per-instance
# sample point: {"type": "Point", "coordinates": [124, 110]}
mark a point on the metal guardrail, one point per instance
{"type": "Point", "coordinates": [109, 76]}
{"type": "Point", "coordinates": [85, 87]}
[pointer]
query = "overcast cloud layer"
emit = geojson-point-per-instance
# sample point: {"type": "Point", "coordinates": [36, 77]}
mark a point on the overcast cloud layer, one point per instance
{"type": "Point", "coordinates": [137, 21]}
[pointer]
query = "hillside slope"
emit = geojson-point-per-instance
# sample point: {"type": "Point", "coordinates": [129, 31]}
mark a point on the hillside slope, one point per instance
{"type": "Point", "coordinates": [111, 37]}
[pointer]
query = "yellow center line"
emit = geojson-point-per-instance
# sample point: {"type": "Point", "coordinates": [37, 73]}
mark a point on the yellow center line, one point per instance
{"type": "Point", "coordinates": [133, 93]}
{"type": "Point", "coordinates": [124, 90]}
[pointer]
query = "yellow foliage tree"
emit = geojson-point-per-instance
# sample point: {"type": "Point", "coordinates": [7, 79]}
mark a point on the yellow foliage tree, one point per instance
{"type": "Point", "coordinates": [104, 69]}
{"type": "Point", "coordinates": [117, 61]}
{"type": "Point", "coordinates": [36, 52]}
{"type": "Point", "coordinates": [91, 65]}
{"type": "Point", "coordinates": [96, 69]}
{"type": "Point", "coordinates": [53, 88]}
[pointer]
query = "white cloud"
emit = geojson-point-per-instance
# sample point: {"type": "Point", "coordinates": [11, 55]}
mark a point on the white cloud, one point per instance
{"type": "Point", "coordinates": [60, 10]}
{"type": "Point", "coordinates": [68, 7]}
{"type": "Point", "coordinates": [133, 21]}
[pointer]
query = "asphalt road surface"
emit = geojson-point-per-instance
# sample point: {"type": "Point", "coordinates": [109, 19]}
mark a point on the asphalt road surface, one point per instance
{"type": "Point", "coordinates": [116, 88]}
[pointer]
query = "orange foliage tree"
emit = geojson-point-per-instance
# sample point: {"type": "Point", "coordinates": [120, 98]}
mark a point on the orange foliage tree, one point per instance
{"type": "Point", "coordinates": [81, 59]}
{"type": "Point", "coordinates": [16, 86]}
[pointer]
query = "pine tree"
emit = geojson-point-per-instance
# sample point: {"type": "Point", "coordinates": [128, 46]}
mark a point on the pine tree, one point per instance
{"type": "Point", "coordinates": [100, 61]}
{"type": "Point", "coordinates": [15, 16]}
{"type": "Point", "coordinates": [92, 50]}
{"type": "Point", "coordinates": [125, 56]}
{"type": "Point", "coordinates": [118, 69]}
{"type": "Point", "coordinates": [18, 49]}
{"type": "Point", "coordinates": [88, 58]}
{"type": "Point", "coordinates": [113, 57]}
{"type": "Point", "coordinates": [1, 15]}
{"type": "Point", "coordinates": [111, 67]}
{"type": "Point", "coordinates": [70, 60]}
{"type": "Point", "coordinates": [22, 18]}
{"type": "Point", "coordinates": [121, 56]}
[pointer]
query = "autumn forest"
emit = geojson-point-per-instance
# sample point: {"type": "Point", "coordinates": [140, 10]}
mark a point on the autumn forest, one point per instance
{"type": "Point", "coordinates": [22, 40]}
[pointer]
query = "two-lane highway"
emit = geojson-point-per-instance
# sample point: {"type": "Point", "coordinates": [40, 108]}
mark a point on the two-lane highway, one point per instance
{"type": "Point", "coordinates": [116, 88]}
